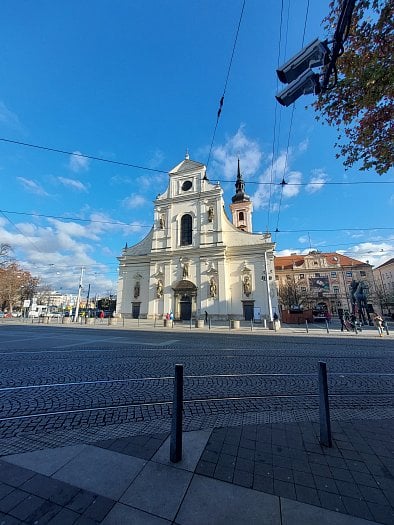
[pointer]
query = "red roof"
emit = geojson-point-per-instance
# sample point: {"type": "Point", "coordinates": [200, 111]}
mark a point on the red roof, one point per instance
{"type": "Point", "coordinates": [334, 259]}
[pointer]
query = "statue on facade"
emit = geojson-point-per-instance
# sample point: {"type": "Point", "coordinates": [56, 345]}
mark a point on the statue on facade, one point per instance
{"type": "Point", "coordinates": [212, 288]}
{"type": "Point", "coordinates": [159, 288]}
{"type": "Point", "coordinates": [185, 270]}
{"type": "Point", "coordinates": [211, 214]}
{"type": "Point", "coordinates": [247, 285]}
{"type": "Point", "coordinates": [162, 222]}
{"type": "Point", "coordinates": [136, 290]}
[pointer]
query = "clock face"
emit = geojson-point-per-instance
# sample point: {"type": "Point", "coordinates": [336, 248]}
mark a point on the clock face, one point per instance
{"type": "Point", "coordinates": [187, 185]}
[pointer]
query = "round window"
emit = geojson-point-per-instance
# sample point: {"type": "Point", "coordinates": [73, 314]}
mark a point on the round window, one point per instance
{"type": "Point", "coordinates": [187, 185]}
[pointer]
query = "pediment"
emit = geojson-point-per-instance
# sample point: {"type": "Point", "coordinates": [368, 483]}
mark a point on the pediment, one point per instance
{"type": "Point", "coordinates": [187, 165]}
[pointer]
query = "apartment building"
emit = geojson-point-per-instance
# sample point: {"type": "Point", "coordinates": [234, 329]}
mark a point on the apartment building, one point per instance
{"type": "Point", "coordinates": [323, 282]}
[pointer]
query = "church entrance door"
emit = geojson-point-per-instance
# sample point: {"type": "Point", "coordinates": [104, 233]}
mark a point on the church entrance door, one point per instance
{"type": "Point", "coordinates": [185, 293]}
{"type": "Point", "coordinates": [248, 310]}
{"type": "Point", "coordinates": [135, 313]}
{"type": "Point", "coordinates": [186, 308]}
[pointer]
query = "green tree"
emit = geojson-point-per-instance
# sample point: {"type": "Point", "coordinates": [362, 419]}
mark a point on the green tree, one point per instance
{"type": "Point", "coordinates": [361, 103]}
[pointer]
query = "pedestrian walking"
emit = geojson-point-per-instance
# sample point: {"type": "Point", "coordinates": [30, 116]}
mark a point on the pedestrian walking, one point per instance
{"type": "Point", "coordinates": [343, 322]}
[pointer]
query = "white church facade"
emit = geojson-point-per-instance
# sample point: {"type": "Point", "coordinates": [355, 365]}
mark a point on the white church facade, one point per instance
{"type": "Point", "coordinates": [195, 261]}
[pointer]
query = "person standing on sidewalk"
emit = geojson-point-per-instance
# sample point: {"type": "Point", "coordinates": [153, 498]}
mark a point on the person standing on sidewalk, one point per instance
{"type": "Point", "coordinates": [378, 320]}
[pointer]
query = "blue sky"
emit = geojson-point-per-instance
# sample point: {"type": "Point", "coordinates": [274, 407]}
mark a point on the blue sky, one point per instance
{"type": "Point", "coordinates": [139, 82]}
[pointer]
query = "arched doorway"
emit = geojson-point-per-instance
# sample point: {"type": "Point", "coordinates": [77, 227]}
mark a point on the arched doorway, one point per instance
{"type": "Point", "coordinates": [185, 293]}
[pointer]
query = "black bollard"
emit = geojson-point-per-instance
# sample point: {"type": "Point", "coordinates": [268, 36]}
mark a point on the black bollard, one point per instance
{"type": "Point", "coordinates": [324, 407]}
{"type": "Point", "coordinates": [209, 323]}
{"type": "Point", "coordinates": [177, 413]}
{"type": "Point", "coordinates": [328, 331]}
{"type": "Point", "coordinates": [306, 326]}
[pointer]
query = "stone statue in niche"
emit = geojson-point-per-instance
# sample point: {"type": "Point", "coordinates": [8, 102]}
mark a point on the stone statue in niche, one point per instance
{"type": "Point", "coordinates": [247, 285]}
{"type": "Point", "coordinates": [136, 290]}
{"type": "Point", "coordinates": [185, 270]}
{"type": "Point", "coordinates": [212, 287]}
{"type": "Point", "coordinates": [162, 222]}
{"type": "Point", "coordinates": [211, 214]}
{"type": "Point", "coordinates": [159, 288]}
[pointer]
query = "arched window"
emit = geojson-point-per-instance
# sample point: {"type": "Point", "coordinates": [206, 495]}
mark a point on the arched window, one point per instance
{"type": "Point", "coordinates": [186, 230]}
{"type": "Point", "coordinates": [241, 216]}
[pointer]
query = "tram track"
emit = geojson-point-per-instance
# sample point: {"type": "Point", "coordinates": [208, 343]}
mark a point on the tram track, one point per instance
{"type": "Point", "coordinates": [163, 378]}
{"type": "Point", "coordinates": [51, 400]}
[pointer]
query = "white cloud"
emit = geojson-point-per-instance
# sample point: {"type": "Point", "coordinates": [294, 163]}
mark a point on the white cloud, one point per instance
{"type": "Point", "coordinates": [303, 146]}
{"type": "Point", "coordinates": [303, 239]}
{"type": "Point", "coordinates": [78, 163]}
{"type": "Point", "coordinates": [156, 180]}
{"type": "Point", "coordinates": [121, 179]}
{"type": "Point", "coordinates": [8, 118]}
{"type": "Point", "coordinates": [32, 186]}
{"type": "Point", "coordinates": [134, 201]}
{"type": "Point", "coordinates": [293, 177]}
{"type": "Point", "coordinates": [317, 181]}
{"type": "Point", "coordinates": [55, 250]}
{"type": "Point", "coordinates": [74, 184]}
{"type": "Point", "coordinates": [225, 157]}
{"type": "Point", "coordinates": [156, 160]}
{"type": "Point", "coordinates": [276, 172]}
{"type": "Point", "coordinates": [374, 253]}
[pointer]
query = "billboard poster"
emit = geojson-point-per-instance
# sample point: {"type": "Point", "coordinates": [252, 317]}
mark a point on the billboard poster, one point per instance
{"type": "Point", "coordinates": [320, 284]}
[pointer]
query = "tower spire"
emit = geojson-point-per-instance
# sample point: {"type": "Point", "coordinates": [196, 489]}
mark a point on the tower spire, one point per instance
{"type": "Point", "coordinates": [240, 195]}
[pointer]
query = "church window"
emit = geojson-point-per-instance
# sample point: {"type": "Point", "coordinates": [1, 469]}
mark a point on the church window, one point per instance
{"type": "Point", "coordinates": [186, 230]}
{"type": "Point", "coordinates": [241, 216]}
{"type": "Point", "coordinates": [187, 185]}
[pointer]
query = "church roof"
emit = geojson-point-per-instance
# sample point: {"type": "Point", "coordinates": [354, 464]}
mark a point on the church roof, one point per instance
{"type": "Point", "coordinates": [187, 165]}
{"type": "Point", "coordinates": [142, 248]}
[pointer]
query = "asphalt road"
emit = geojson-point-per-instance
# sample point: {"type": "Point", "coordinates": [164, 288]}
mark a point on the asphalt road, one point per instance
{"type": "Point", "coordinates": [59, 383]}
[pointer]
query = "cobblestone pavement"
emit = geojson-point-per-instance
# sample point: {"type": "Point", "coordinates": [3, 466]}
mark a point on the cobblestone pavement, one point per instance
{"type": "Point", "coordinates": [69, 380]}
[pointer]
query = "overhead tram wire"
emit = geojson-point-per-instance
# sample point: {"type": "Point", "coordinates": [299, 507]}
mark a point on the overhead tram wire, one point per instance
{"type": "Point", "coordinates": [284, 183]}
{"type": "Point", "coordinates": [221, 102]}
{"type": "Point", "coordinates": [77, 154]}
{"type": "Point", "coordinates": [19, 231]}
{"type": "Point", "coordinates": [127, 164]}
{"type": "Point", "coordinates": [77, 219]}
{"type": "Point", "coordinates": [275, 117]}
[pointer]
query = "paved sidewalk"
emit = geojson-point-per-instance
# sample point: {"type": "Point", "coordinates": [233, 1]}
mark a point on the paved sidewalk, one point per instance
{"type": "Point", "coordinates": [262, 474]}
{"type": "Point", "coordinates": [312, 329]}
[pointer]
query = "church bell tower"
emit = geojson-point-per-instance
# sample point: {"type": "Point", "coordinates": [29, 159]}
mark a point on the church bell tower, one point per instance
{"type": "Point", "coordinates": [241, 206]}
